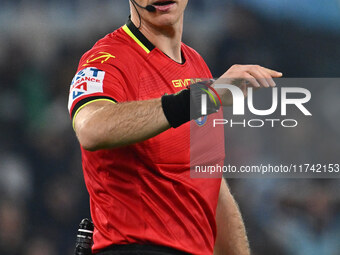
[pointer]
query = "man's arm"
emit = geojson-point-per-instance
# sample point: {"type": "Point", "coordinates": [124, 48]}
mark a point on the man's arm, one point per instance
{"type": "Point", "coordinates": [231, 235]}
{"type": "Point", "coordinates": [102, 124]}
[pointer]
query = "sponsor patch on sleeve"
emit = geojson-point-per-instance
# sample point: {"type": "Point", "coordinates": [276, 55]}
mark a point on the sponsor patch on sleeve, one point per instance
{"type": "Point", "coordinates": [86, 82]}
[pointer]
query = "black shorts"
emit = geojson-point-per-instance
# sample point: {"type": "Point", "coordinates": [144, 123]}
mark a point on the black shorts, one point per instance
{"type": "Point", "coordinates": [140, 249]}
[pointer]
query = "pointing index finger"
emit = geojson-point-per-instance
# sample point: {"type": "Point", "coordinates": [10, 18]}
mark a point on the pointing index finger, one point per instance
{"type": "Point", "coordinates": [273, 73]}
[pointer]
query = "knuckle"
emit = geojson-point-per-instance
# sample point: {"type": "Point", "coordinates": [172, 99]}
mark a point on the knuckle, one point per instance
{"type": "Point", "coordinates": [235, 66]}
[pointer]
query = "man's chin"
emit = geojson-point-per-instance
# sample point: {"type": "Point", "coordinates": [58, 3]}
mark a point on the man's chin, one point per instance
{"type": "Point", "coordinates": [165, 20]}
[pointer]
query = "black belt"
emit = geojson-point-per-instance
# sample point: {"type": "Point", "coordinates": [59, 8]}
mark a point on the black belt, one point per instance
{"type": "Point", "coordinates": [140, 249]}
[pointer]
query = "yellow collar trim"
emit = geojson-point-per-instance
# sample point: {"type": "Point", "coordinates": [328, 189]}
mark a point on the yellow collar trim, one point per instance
{"type": "Point", "coordinates": [128, 31]}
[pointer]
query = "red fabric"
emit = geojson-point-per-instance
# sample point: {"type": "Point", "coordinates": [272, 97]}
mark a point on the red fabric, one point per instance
{"type": "Point", "coordinates": [143, 193]}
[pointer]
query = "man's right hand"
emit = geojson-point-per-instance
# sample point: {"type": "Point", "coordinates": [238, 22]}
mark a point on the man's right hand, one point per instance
{"type": "Point", "coordinates": [244, 76]}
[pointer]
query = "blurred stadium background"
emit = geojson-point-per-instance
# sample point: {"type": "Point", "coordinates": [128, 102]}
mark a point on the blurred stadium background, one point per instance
{"type": "Point", "coordinates": [42, 195]}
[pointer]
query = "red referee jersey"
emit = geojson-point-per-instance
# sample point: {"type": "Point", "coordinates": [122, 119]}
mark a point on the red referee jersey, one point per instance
{"type": "Point", "coordinates": [143, 193]}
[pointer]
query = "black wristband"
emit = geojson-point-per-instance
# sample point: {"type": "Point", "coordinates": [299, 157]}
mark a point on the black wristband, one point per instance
{"type": "Point", "coordinates": [176, 108]}
{"type": "Point", "coordinates": [185, 105]}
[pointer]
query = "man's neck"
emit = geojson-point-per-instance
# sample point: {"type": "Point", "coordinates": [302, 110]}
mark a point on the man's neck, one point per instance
{"type": "Point", "coordinates": [167, 39]}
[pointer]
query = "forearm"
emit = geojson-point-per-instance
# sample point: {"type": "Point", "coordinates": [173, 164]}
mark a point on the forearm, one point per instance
{"type": "Point", "coordinates": [102, 125]}
{"type": "Point", "coordinates": [231, 234]}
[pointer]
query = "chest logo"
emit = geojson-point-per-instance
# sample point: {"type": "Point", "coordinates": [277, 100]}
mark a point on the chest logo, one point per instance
{"type": "Point", "coordinates": [184, 83]}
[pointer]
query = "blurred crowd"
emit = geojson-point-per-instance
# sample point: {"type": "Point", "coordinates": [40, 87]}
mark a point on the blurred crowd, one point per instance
{"type": "Point", "coordinates": [42, 193]}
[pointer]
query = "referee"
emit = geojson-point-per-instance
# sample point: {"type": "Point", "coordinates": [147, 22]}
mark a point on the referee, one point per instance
{"type": "Point", "coordinates": [129, 104]}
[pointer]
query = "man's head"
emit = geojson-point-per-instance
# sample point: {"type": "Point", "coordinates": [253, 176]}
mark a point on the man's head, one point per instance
{"type": "Point", "coordinates": [167, 13]}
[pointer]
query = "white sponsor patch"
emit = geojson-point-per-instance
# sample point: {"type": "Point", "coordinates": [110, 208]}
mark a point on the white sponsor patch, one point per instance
{"type": "Point", "coordinates": [85, 82]}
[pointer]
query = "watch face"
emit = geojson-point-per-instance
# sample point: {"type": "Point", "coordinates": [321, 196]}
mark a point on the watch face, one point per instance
{"type": "Point", "coordinates": [201, 120]}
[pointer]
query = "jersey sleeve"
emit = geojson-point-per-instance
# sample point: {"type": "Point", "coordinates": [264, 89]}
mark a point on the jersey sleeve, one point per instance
{"type": "Point", "coordinates": [98, 78]}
